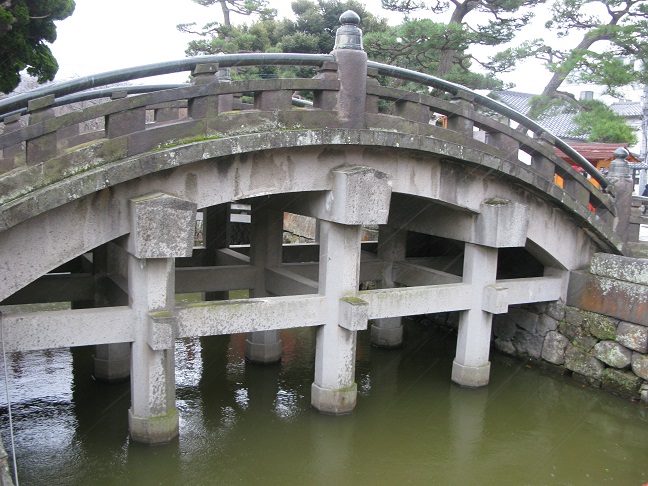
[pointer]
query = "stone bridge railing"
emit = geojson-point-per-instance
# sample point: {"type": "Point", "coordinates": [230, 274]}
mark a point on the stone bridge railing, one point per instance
{"type": "Point", "coordinates": [40, 147]}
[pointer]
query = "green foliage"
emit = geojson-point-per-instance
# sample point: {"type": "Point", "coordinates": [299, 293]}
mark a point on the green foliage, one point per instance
{"type": "Point", "coordinates": [420, 45]}
{"type": "Point", "coordinates": [444, 48]}
{"type": "Point", "coordinates": [25, 28]}
{"type": "Point", "coordinates": [612, 50]}
{"type": "Point", "coordinates": [600, 124]}
{"type": "Point", "coordinates": [312, 31]}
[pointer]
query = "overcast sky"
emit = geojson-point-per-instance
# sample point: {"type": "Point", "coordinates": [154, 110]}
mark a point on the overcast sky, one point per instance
{"type": "Point", "coordinates": [104, 35]}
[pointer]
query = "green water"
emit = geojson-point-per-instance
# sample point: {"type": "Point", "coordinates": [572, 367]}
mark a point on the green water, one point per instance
{"type": "Point", "coordinates": [246, 424]}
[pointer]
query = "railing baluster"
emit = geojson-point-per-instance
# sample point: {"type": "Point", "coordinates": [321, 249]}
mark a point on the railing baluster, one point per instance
{"type": "Point", "coordinates": [11, 156]}
{"type": "Point", "coordinates": [459, 123]}
{"type": "Point", "coordinates": [43, 147]}
{"type": "Point", "coordinates": [323, 99]}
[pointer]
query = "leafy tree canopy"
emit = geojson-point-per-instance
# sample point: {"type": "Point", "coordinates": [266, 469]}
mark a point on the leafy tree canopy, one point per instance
{"type": "Point", "coordinates": [312, 31]}
{"type": "Point", "coordinates": [612, 49]}
{"type": "Point", "coordinates": [443, 48]}
{"type": "Point", "coordinates": [26, 26]}
{"type": "Point", "coordinates": [599, 123]}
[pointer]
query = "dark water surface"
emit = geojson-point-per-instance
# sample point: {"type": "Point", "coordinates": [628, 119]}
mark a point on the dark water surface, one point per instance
{"type": "Point", "coordinates": [247, 424]}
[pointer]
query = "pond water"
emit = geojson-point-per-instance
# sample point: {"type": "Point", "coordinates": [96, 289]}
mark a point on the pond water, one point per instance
{"type": "Point", "coordinates": [250, 424]}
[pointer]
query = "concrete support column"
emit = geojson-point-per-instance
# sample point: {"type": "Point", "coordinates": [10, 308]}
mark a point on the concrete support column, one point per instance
{"type": "Point", "coordinates": [153, 417]}
{"type": "Point", "coordinates": [162, 228]}
{"type": "Point", "coordinates": [265, 251]}
{"type": "Point", "coordinates": [111, 361]}
{"type": "Point", "coordinates": [334, 390]}
{"type": "Point", "coordinates": [359, 195]}
{"type": "Point", "coordinates": [388, 332]}
{"type": "Point", "coordinates": [471, 366]}
{"type": "Point", "coordinates": [215, 237]}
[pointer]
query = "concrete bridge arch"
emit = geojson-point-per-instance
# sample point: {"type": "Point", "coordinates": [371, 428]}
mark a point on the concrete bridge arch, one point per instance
{"type": "Point", "coordinates": [128, 194]}
{"type": "Point", "coordinates": [282, 163]}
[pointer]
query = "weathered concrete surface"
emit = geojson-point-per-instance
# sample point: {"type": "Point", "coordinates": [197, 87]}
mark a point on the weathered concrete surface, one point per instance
{"type": "Point", "coordinates": [162, 226]}
{"type": "Point", "coordinates": [633, 270]}
{"type": "Point", "coordinates": [471, 366]}
{"type": "Point", "coordinates": [624, 300]}
{"type": "Point", "coordinates": [64, 328]}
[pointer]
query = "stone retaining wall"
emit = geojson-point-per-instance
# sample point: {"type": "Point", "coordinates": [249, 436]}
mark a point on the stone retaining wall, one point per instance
{"type": "Point", "coordinates": [600, 337]}
{"type": "Point", "coordinates": [596, 349]}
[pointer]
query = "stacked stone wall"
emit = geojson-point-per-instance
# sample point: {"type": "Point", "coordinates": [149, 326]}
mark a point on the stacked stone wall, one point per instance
{"type": "Point", "coordinates": [594, 348]}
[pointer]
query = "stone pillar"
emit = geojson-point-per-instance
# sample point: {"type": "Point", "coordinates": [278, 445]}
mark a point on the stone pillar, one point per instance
{"type": "Point", "coordinates": [152, 418]}
{"type": "Point", "coordinates": [360, 196]}
{"type": "Point", "coordinates": [215, 237]}
{"type": "Point", "coordinates": [162, 228]}
{"type": "Point", "coordinates": [471, 366]}
{"type": "Point", "coordinates": [352, 72]}
{"type": "Point", "coordinates": [388, 332]}
{"type": "Point", "coordinates": [111, 361]}
{"type": "Point", "coordinates": [265, 251]}
{"type": "Point", "coordinates": [334, 389]}
{"type": "Point", "coordinates": [620, 177]}
{"type": "Point", "coordinates": [457, 122]}
{"type": "Point", "coordinates": [7, 161]}
{"type": "Point", "coordinates": [42, 148]}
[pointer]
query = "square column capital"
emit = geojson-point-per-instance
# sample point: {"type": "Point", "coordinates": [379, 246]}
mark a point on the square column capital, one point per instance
{"type": "Point", "coordinates": [162, 226]}
{"type": "Point", "coordinates": [501, 224]}
{"type": "Point", "coordinates": [360, 195]}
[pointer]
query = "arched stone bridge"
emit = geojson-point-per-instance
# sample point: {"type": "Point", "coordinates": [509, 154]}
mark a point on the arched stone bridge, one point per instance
{"type": "Point", "coordinates": [99, 206]}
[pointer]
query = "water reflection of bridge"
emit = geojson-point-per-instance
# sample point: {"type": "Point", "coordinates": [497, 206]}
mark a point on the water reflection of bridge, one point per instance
{"type": "Point", "coordinates": [105, 218]}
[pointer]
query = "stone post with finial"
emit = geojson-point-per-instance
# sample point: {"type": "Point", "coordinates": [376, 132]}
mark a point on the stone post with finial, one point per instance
{"type": "Point", "coordinates": [352, 71]}
{"type": "Point", "coordinates": [621, 183]}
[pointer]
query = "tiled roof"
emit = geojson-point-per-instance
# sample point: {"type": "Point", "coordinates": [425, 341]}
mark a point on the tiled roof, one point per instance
{"type": "Point", "coordinates": [595, 151]}
{"type": "Point", "coordinates": [627, 108]}
{"type": "Point", "coordinates": [560, 125]}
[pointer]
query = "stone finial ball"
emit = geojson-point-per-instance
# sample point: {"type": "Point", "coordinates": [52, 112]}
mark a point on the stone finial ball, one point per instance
{"type": "Point", "coordinates": [621, 153]}
{"type": "Point", "coordinates": [350, 17]}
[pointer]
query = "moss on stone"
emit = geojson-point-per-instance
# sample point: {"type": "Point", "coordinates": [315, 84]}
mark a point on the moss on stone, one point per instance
{"type": "Point", "coordinates": [622, 383]}
{"type": "Point", "coordinates": [185, 141]}
{"type": "Point", "coordinates": [354, 300]}
{"type": "Point", "coordinates": [83, 145]}
{"type": "Point", "coordinates": [600, 326]}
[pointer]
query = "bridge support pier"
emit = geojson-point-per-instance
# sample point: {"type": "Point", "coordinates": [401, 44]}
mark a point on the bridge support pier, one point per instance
{"type": "Point", "coordinates": [112, 362]}
{"type": "Point", "coordinates": [360, 196]}
{"type": "Point", "coordinates": [263, 347]}
{"type": "Point", "coordinates": [152, 418]}
{"type": "Point", "coordinates": [388, 332]}
{"type": "Point", "coordinates": [334, 390]}
{"type": "Point", "coordinates": [471, 367]}
{"type": "Point", "coordinates": [266, 239]}
{"type": "Point", "coordinates": [162, 228]}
